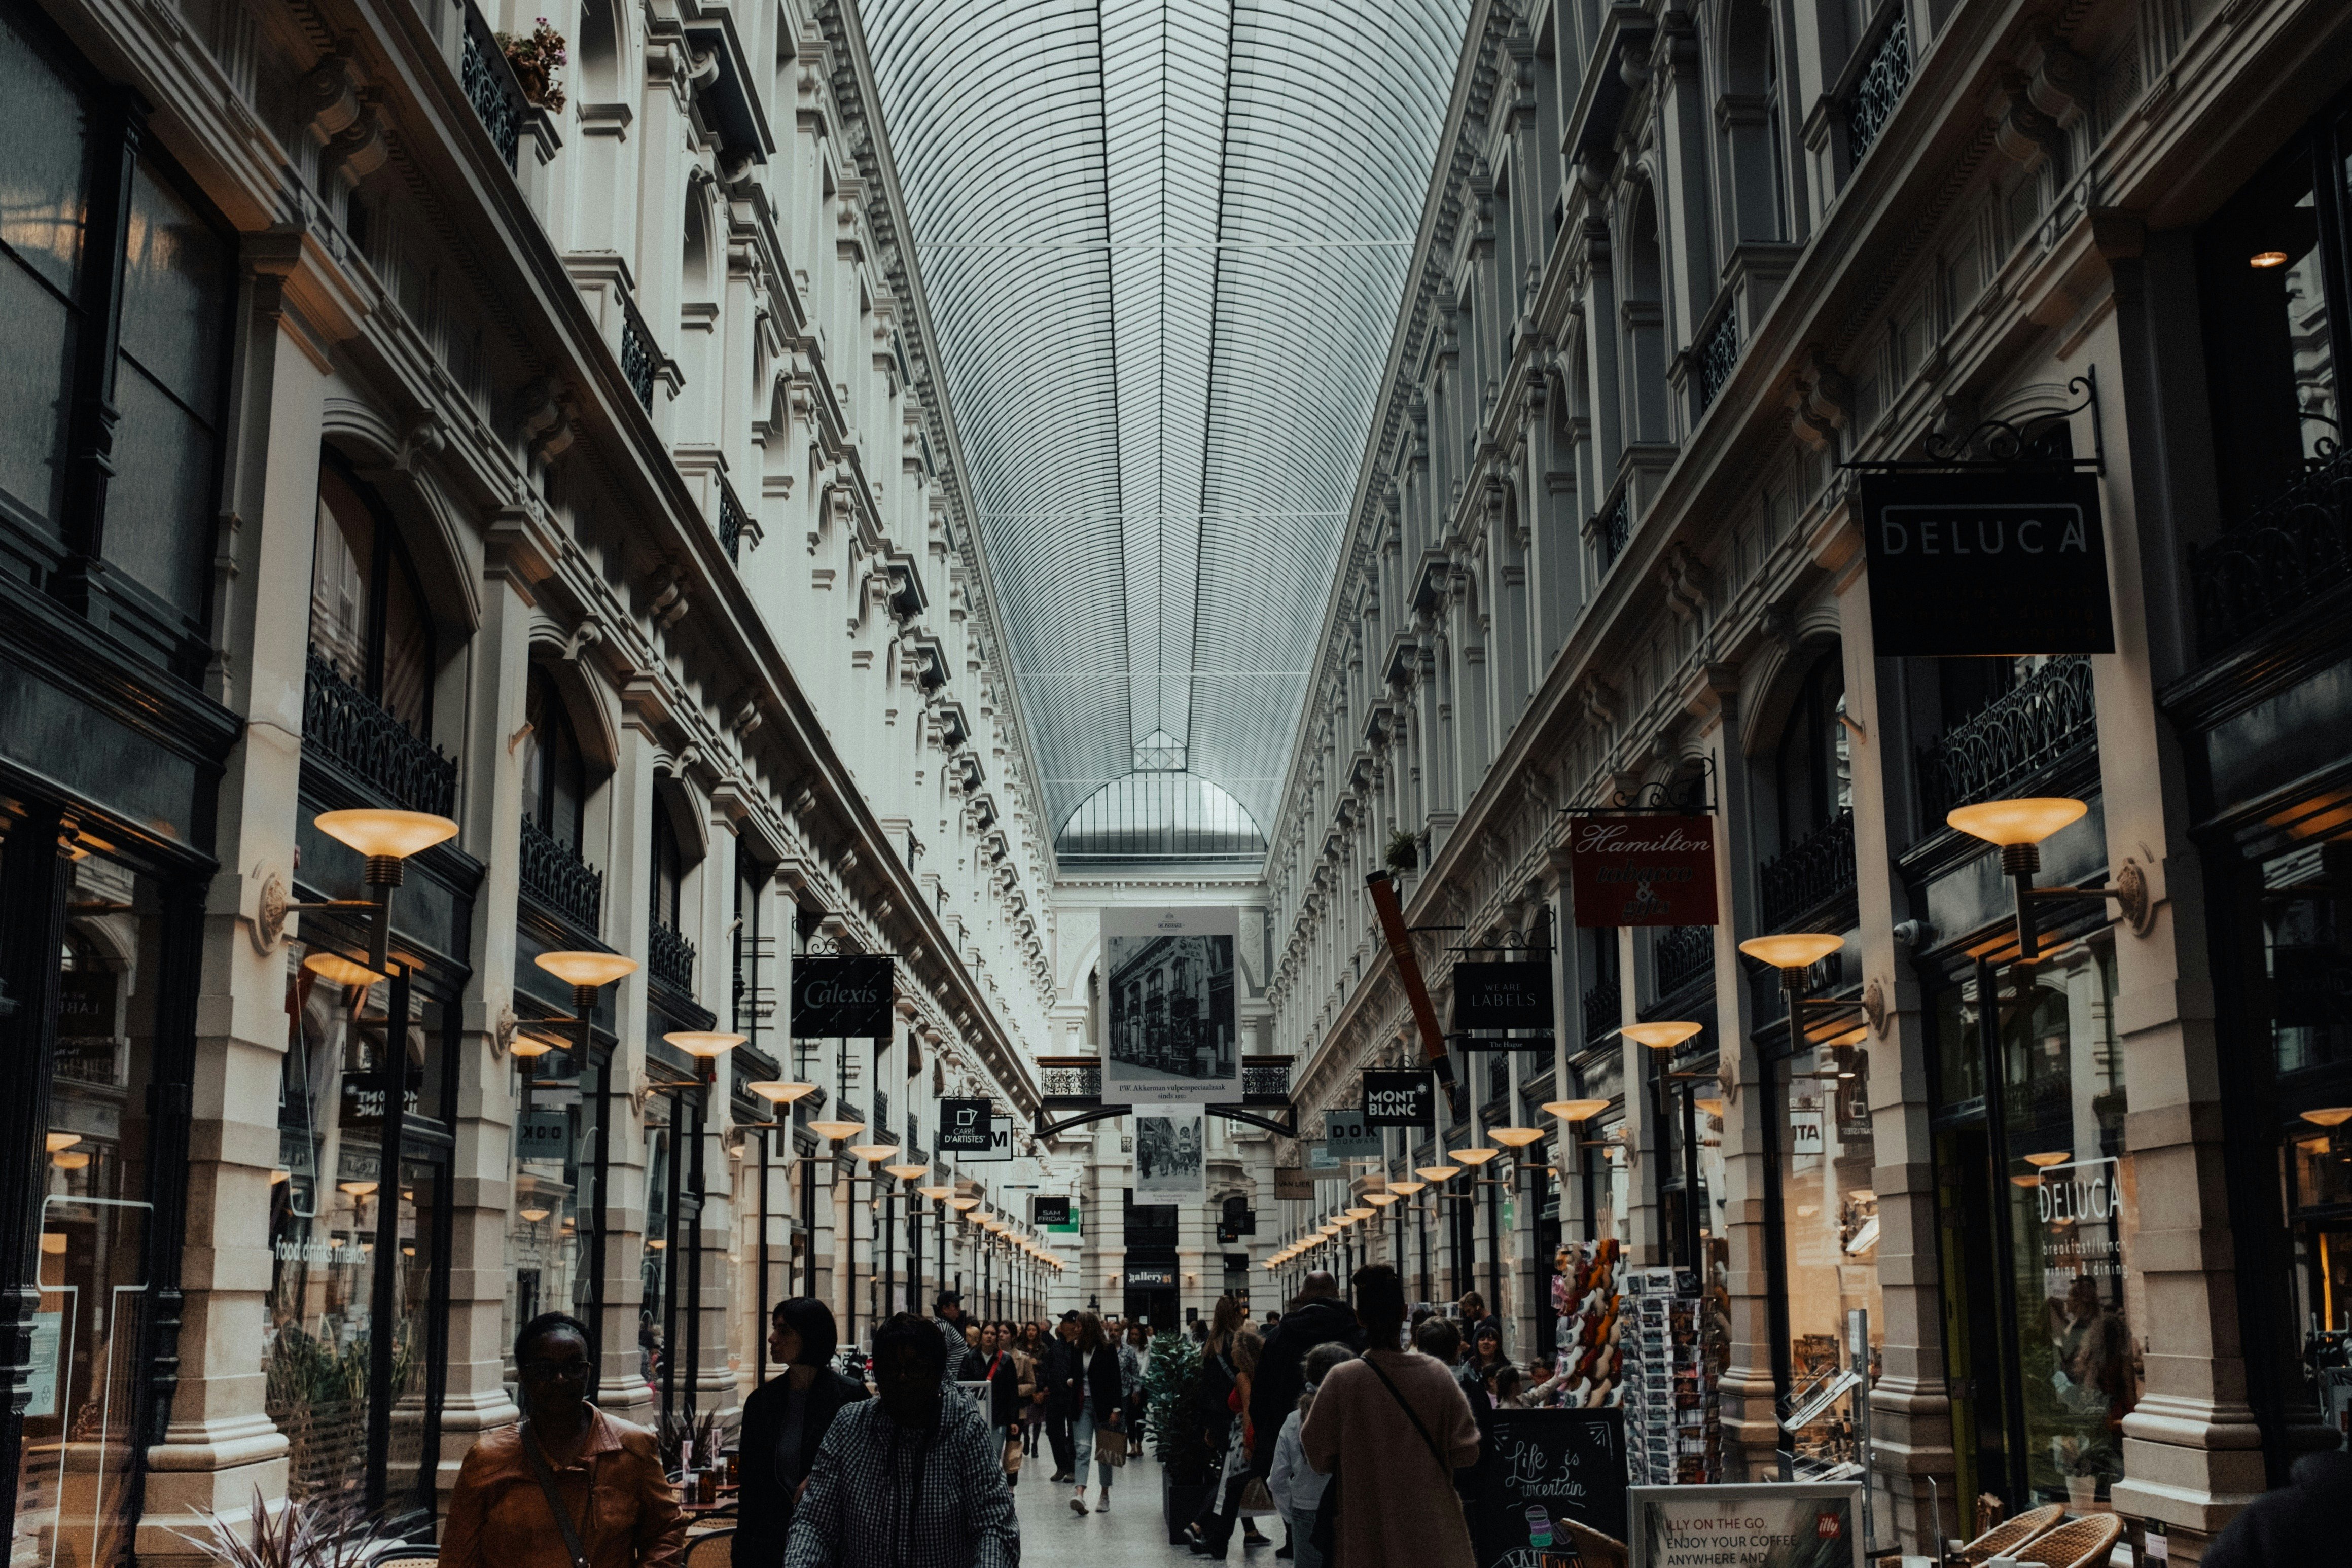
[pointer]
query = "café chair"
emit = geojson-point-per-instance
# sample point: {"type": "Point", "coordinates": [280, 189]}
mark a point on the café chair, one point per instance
{"type": "Point", "coordinates": [2084, 1542]}
{"type": "Point", "coordinates": [711, 1549]}
{"type": "Point", "coordinates": [406, 1555]}
{"type": "Point", "coordinates": [2005, 1538]}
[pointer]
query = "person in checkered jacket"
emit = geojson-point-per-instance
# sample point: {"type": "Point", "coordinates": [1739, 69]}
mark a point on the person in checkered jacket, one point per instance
{"type": "Point", "coordinates": [910, 1480]}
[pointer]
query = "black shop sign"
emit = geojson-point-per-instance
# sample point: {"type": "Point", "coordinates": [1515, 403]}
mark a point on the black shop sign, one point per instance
{"type": "Point", "coordinates": [1985, 563]}
{"type": "Point", "coordinates": [964, 1126]}
{"type": "Point", "coordinates": [847, 998]}
{"type": "Point", "coordinates": [1050, 1211]}
{"type": "Point", "coordinates": [1400, 1100]}
{"type": "Point", "coordinates": [1541, 1466]}
{"type": "Point", "coordinates": [1502, 996]}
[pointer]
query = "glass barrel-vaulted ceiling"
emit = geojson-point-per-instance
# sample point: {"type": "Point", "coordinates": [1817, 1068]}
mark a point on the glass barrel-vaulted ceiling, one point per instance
{"type": "Point", "coordinates": [1164, 243]}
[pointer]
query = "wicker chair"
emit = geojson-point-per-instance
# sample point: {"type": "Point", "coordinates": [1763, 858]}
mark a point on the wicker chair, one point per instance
{"type": "Point", "coordinates": [2084, 1542]}
{"type": "Point", "coordinates": [2009, 1535]}
{"type": "Point", "coordinates": [711, 1549]}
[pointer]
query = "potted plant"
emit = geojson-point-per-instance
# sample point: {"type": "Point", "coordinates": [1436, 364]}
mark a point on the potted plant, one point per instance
{"type": "Point", "coordinates": [326, 1530]}
{"type": "Point", "coordinates": [1174, 1422]}
{"type": "Point", "coordinates": [535, 57]}
{"type": "Point", "coordinates": [1403, 852]}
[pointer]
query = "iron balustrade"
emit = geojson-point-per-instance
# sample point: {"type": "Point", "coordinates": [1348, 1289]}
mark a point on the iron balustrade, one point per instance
{"type": "Point", "coordinates": [2293, 549]}
{"type": "Point", "coordinates": [1614, 527]}
{"type": "Point", "coordinates": [2021, 735]}
{"type": "Point", "coordinates": [1070, 1081]}
{"type": "Point", "coordinates": [1603, 1010]}
{"type": "Point", "coordinates": [1718, 352]}
{"type": "Point", "coordinates": [1879, 88]}
{"type": "Point", "coordinates": [670, 956]}
{"type": "Point", "coordinates": [730, 525]}
{"type": "Point", "coordinates": [1683, 954]}
{"type": "Point", "coordinates": [558, 880]}
{"type": "Point", "coordinates": [363, 739]}
{"type": "Point", "coordinates": [489, 87]}
{"type": "Point", "coordinates": [636, 355]}
{"type": "Point", "coordinates": [1815, 871]}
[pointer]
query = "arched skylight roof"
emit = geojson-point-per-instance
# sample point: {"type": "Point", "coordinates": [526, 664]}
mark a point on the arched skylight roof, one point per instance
{"type": "Point", "coordinates": [1164, 243]}
{"type": "Point", "coordinates": [1163, 817]}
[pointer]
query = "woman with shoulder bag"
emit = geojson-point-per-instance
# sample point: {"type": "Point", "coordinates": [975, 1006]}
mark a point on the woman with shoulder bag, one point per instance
{"type": "Point", "coordinates": [1100, 1410]}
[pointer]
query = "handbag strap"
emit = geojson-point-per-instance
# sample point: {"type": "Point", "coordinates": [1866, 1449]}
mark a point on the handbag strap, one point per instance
{"type": "Point", "coordinates": [546, 1479]}
{"type": "Point", "coordinates": [1444, 1468]}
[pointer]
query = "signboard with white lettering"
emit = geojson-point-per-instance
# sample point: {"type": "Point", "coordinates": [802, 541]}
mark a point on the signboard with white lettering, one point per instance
{"type": "Point", "coordinates": [1759, 1524]}
{"type": "Point", "coordinates": [1394, 1099]}
{"type": "Point", "coordinates": [1985, 563]}
{"type": "Point", "coordinates": [999, 1149]}
{"type": "Point", "coordinates": [964, 1126]}
{"type": "Point", "coordinates": [841, 998]}
{"type": "Point", "coordinates": [1348, 1136]}
{"type": "Point", "coordinates": [1501, 995]}
{"type": "Point", "coordinates": [1544, 1468]}
{"type": "Point", "coordinates": [1050, 1211]}
{"type": "Point", "coordinates": [1654, 869]}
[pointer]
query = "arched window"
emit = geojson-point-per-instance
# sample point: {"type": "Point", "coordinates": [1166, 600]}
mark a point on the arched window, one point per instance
{"type": "Point", "coordinates": [367, 611]}
{"type": "Point", "coordinates": [555, 770]}
{"type": "Point", "coordinates": [669, 870]}
{"type": "Point", "coordinates": [1812, 772]}
{"type": "Point", "coordinates": [600, 53]}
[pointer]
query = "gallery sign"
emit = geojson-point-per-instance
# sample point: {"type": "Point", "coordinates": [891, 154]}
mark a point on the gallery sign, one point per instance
{"type": "Point", "coordinates": [1501, 995]}
{"type": "Point", "coordinates": [1394, 1099]}
{"type": "Point", "coordinates": [964, 1126]}
{"type": "Point", "coordinates": [1151, 1275]}
{"type": "Point", "coordinates": [1985, 563]}
{"type": "Point", "coordinates": [841, 998]}
{"type": "Point", "coordinates": [1650, 869]}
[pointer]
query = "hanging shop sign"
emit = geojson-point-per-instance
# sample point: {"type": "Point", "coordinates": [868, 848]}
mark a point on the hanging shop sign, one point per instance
{"type": "Point", "coordinates": [1050, 1211]}
{"type": "Point", "coordinates": [1348, 1136]}
{"type": "Point", "coordinates": [1985, 563]}
{"type": "Point", "coordinates": [1400, 1100]}
{"type": "Point", "coordinates": [544, 1135]}
{"type": "Point", "coordinates": [1761, 1524]}
{"type": "Point", "coordinates": [1488, 996]}
{"type": "Point", "coordinates": [1654, 869]}
{"type": "Point", "coordinates": [1321, 1160]}
{"type": "Point", "coordinates": [1551, 1467]}
{"type": "Point", "coordinates": [1169, 1161]}
{"type": "Point", "coordinates": [965, 1126]}
{"type": "Point", "coordinates": [1000, 1144]}
{"type": "Point", "coordinates": [1293, 1182]}
{"type": "Point", "coordinates": [841, 998]}
{"type": "Point", "coordinates": [1170, 1006]}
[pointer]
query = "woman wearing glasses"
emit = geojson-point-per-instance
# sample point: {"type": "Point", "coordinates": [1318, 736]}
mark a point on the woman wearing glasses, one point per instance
{"type": "Point", "coordinates": [571, 1488]}
{"type": "Point", "coordinates": [783, 1422]}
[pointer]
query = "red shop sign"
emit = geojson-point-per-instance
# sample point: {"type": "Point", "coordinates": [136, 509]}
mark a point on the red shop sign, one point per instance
{"type": "Point", "coordinates": [1652, 870]}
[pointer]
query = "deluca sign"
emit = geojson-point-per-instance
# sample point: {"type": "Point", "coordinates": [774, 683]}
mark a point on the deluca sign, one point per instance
{"type": "Point", "coordinates": [841, 998]}
{"type": "Point", "coordinates": [1985, 563]}
{"type": "Point", "coordinates": [1647, 870]}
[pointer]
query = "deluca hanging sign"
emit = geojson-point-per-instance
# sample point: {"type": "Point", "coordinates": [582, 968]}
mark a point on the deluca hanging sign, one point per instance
{"type": "Point", "coordinates": [1501, 995]}
{"type": "Point", "coordinates": [1654, 869]}
{"type": "Point", "coordinates": [1981, 565]}
{"type": "Point", "coordinates": [841, 998]}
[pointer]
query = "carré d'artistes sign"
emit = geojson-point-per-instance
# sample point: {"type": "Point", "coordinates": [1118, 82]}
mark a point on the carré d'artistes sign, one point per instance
{"type": "Point", "coordinates": [1654, 869]}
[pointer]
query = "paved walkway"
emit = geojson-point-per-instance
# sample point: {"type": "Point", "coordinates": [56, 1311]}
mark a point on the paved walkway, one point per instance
{"type": "Point", "coordinates": [1133, 1534]}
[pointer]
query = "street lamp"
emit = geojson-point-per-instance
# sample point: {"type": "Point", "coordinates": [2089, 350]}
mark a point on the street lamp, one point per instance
{"type": "Point", "coordinates": [386, 838]}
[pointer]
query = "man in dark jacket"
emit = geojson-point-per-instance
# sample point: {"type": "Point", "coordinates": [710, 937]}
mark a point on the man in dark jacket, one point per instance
{"type": "Point", "coordinates": [1318, 1317]}
{"type": "Point", "coordinates": [1057, 1380]}
{"type": "Point", "coordinates": [2301, 1524]}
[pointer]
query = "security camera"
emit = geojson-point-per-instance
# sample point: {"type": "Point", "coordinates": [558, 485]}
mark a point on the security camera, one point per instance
{"type": "Point", "coordinates": [1916, 935]}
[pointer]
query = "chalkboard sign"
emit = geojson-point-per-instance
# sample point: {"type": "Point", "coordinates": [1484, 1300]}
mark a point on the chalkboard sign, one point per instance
{"type": "Point", "coordinates": [1543, 1466]}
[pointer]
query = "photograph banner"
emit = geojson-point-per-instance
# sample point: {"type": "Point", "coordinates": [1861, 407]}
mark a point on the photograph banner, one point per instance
{"type": "Point", "coordinates": [841, 998]}
{"type": "Point", "coordinates": [1762, 1524]}
{"type": "Point", "coordinates": [1169, 1006]}
{"type": "Point", "coordinates": [1168, 1155]}
{"type": "Point", "coordinates": [1652, 870]}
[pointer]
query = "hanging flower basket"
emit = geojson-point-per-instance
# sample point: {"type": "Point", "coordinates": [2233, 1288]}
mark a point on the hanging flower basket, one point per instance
{"type": "Point", "coordinates": [534, 57]}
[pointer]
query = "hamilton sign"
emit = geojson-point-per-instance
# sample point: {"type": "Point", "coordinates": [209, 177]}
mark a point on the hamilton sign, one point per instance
{"type": "Point", "coordinates": [1985, 563]}
{"type": "Point", "coordinates": [1654, 869]}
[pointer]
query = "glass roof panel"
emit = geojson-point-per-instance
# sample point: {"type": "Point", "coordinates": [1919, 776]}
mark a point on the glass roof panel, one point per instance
{"type": "Point", "coordinates": [1164, 242]}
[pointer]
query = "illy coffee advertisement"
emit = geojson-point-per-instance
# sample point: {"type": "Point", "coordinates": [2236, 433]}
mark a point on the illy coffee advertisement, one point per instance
{"type": "Point", "coordinates": [1502, 996]}
{"type": "Point", "coordinates": [1169, 1006]}
{"type": "Point", "coordinates": [1654, 869]}
{"type": "Point", "coordinates": [1985, 563]}
{"type": "Point", "coordinates": [1757, 1525]}
{"type": "Point", "coordinates": [841, 998]}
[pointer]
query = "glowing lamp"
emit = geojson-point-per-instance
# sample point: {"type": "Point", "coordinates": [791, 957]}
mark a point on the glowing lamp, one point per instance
{"type": "Point", "coordinates": [53, 1243]}
{"type": "Point", "coordinates": [2033, 1181]}
{"type": "Point", "coordinates": [589, 969]}
{"type": "Point", "coordinates": [704, 1043]}
{"type": "Point", "coordinates": [1711, 1104]}
{"type": "Point", "coordinates": [1437, 1172]}
{"type": "Point", "coordinates": [907, 1173]}
{"type": "Point", "coordinates": [533, 1216]}
{"type": "Point", "coordinates": [659, 1245]}
{"type": "Point", "coordinates": [874, 1153]}
{"type": "Point", "coordinates": [1793, 950]}
{"type": "Point", "coordinates": [337, 970]}
{"type": "Point", "coordinates": [356, 1189]}
{"type": "Point", "coordinates": [1477, 1156]}
{"type": "Point", "coordinates": [2028, 820]}
{"type": "Point", "coordinates": [836, 1130]}
{"type": "Point", "coordinates": [2049, 1157]}
{"type": "Point", "coordinates": [936, 1194]}
{"type": "Point", "coordinates": [2329, 1116]}
{"type": "Point", "coordinates": [780, 1091]}
{"type": "Point", "coordinates": [1360, 1214]}
{"type": "Point", "coordinates": [1381, 1200]}
{"type": "Point", "coordinates": [1575, 1110]}
{"type": "Point", "coordinates": [1515, 1137]}
{"type": "Point", "coordinates": [278, 1176]}
{"type": "Point", "coordinates": [70, 1159]}
{"type": "Point", "coordinates": [963, 1206]}
{"type": "Point", "coordinates": [2266, 259]}
{"type": "Point", "coordinates": [375, 832]}
{"type": "Point", "coordinates": [1406, 1189]}
{"type": "Point", "coordinates": [1661, 1037]}
{"type": "Point", "coordinates": [57, 1140]}
{"type": "Point", "coordinates": [528, 1046]}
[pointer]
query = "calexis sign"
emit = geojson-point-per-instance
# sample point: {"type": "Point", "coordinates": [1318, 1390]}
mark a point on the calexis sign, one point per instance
{"type": "Point", "coordinates": [1985, 563]}
{"type": "Point", "coordinates": [841, 998]}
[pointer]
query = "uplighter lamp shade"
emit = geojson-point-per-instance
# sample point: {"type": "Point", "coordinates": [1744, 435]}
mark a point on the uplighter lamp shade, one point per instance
{"type": "Point", "coordinates": [1438, 1173]}
{"type": "Point", "coordinates": [1473, 1156]}
{"type": "Point", "coordinates": [780, 1092]}
{"type": "Point", "coordinates": [1360, 1214]}
{"type": "Point", "coordinates": [2329, 1116]}
{"type": "Point", "coordinates": [1713, 1105]}
{"type": "Point", "coordinates": [586, 968]}
{"type": "Point", "coordinates": [529, 1045]}
{"type": "Point", "coordinates": [57, 1140]}
{"type": "Point", "coordinates": [1795, 949]}
{"type": "Point", "coordinates": [398, 834]}
{"type": "Point", "coordinates": [963, 1206]}
{"type": "Point", "coordinates": [1660, 1036]}
{"type": "Point", "coordinates": [1515, 1137]}
{"type": "Point", "coordinates": [837, 1129]}
{"type": "Point", "coordinates": [907, 1173]}
{"type": "Point", "coordinates": [1575, 1110]}
{"type": "Point", "coordinates": [704, 1043]}
{"type": "Point", "coordinates": [337, 970]}
{"type": "Point", "coordinates": [2046, 1158]}
{"type": "Point", "coordinates": [936, 1194]}
{"type": "Point", "coordinates": [2029, 819]}
{"type": "Point", "coordinates": [1406, 1189]}
{"type": "Point", "coordinates": [1380, 1200]}
{"type": "Point", "coordinates": [873, 1153]}
{"type": "Point", "coordinates": [1328, 1230]}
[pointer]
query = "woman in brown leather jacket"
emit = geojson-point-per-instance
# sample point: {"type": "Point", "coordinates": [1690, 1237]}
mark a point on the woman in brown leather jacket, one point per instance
{"type": "Point", "coordinates": [571, 1488]}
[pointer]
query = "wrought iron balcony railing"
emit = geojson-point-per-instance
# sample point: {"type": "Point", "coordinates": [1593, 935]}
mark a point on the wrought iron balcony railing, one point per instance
{"type": "Point", "coordinates": [636, 355]}
{"type": "Point", "coordinates": [1603, 1010]}
{"type": "Point", "coordinates": [363, 739]}
{"type": "Point", "coordinates": [489, 87]}
{"type": "Point", "coordinates": [1718, 352]}
{"type": "Point", "coordinates": [730, 524]}
{"type": "Point", "coordinates": [1614, 527]}
{"type": "Point", "coordinates": [2022, 734]}
{"type": "Point", "coordinates": [2287, 554]}
{"type": "Point", "coordinates": [1683, 954]}
{"type": "Point", "coordinates": [1064, 1081]}
{"type": "Point", "coordinates": [558, 881]}
{"type": "Point", "coordinates": [1815, 871]}
{"type": "Point", "coordinates": [670, 956]}
{"type": "Point", "coordinates": [1879, 89]}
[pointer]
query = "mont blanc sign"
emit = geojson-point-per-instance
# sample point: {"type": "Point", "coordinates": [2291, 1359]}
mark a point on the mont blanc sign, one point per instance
{"type": "Point", "coordinates": [1985, 563]}
{"type": "Point", "coordinates": [841, 998]}
{"type": "Point", "coordinates": [1650, 869]}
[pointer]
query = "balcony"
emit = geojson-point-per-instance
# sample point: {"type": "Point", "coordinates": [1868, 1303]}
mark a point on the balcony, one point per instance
{"type": "Point", "coordinates": [1716, 355]}
{"type": "Point", "coordinates": [637, 354]}
{"type": "Point", "coordinates": [1878, 89]}
{"type": "Point", "coordinates": [349, 729]}
{"type": "Point", "coordinates": [490, 87]}
{"type": "Point", "coordinates": [730, 524]}
{"type": "Point", "coordinates": [2289, 552]}
{"type": "Point", "coordinates": [1815, 872]}
{"type": "Point", "coordinates": [1603, 1011]}
{"type": "Point", "coordinates": [556, 880]}
{"type": "Point", "coordinates": [2022, 735]}
{"type": "Point", "coordinates": [1682, 956]}
{"type": "Point", "coordinates": [669, 956]}
{"type": "Point", "coordinates": [1613, 527]}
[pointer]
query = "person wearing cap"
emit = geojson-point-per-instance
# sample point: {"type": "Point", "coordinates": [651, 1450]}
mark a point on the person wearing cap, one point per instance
{"type": "Point", "coordinates": [947, 1307]}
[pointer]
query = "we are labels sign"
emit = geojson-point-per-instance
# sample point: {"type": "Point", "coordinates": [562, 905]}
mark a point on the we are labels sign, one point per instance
{"type": "Point", "coordinates": [1501, 995]}
{"type": "Point", "coordinates": [1648, 869]}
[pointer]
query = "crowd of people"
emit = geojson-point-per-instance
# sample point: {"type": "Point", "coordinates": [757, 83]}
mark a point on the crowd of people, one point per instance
{"type": "Point", "coordinates": [1353, 1425]}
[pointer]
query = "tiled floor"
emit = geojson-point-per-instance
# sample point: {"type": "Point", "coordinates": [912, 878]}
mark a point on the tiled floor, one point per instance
{"type": "Point", "coordinates": [1132, 1535]}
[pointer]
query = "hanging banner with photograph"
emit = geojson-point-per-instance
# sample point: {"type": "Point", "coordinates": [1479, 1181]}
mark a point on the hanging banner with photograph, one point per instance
{"type": "Point", "coordinates": [841, 998]}
{"type": "Point", "coordinates": [965, 1126]}
{"type": "Point", "coordinates": [1400, 1099]}
{"type": "Point", "coordinates": [1170, 1006]}
{"type": "Point", "coordinates": [1651, 869]}
{"type": "Point", "coordinates": [1761, 1525]}
{"type": "Point", "coordinates": [1488, 996]}
{"type": "Point", "coordinates": [1985, 563]}
{"type": "Point", "coordinates": [1168, 1159]}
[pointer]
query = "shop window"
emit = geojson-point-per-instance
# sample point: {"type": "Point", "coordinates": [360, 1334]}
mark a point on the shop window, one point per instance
{"type": "Point", "coordinates": [1829, 1152]}
{"type": "Point", "coordinates": [367, 609]}
{"type": "Point", "coordinates": [550, 1264]}
{"type": "Point", "coordinates": [555, 770]}
{"type": "Point", "coordinates": [1812, 771]}
{"type": "Point", "coordinates": [669, 873]}
{"type": "Point", "coordinates": [112, 458]}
